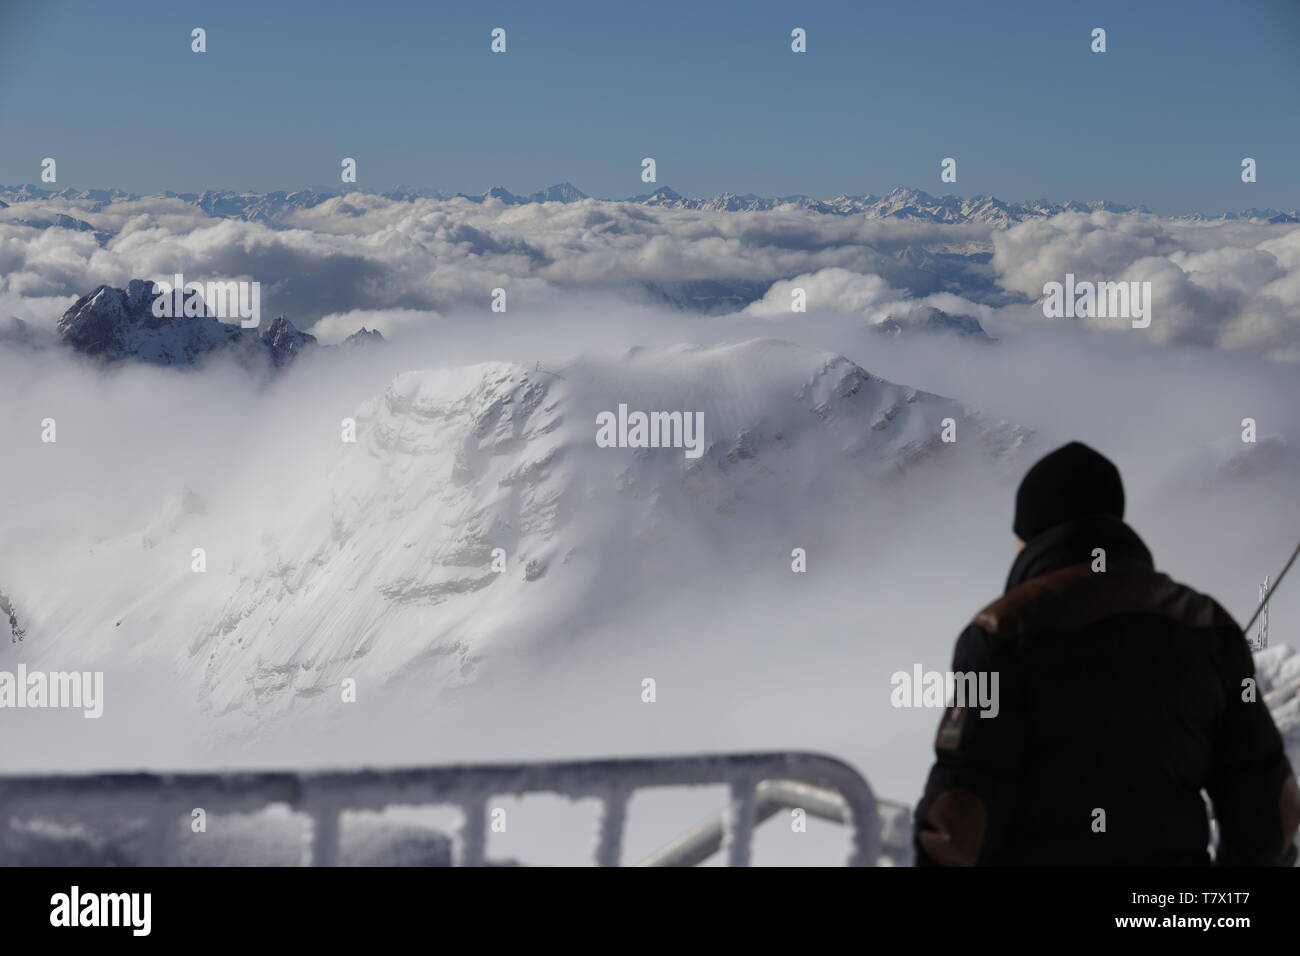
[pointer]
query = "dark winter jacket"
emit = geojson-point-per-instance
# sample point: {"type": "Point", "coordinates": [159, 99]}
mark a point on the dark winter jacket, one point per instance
{"type": "Point", "coordinates": [1122, 696]}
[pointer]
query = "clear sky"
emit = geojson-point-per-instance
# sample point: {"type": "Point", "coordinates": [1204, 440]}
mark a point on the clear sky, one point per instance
{"type": "Point", "coordinates": [711, 90]}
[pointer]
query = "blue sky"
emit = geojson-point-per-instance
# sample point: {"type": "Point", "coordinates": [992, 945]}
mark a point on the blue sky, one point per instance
{"type": "Point", "coordinates": [711, 90]}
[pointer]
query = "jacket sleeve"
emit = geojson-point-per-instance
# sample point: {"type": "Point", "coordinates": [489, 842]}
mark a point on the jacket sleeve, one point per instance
{"type": "Point", "coordinates": [1248, 777]}
{"type": "Point", "coordinates": [971, 791]}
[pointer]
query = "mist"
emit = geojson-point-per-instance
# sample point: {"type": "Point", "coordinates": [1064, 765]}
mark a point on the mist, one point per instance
{"type": "Point", "coordinates": [745, 654]}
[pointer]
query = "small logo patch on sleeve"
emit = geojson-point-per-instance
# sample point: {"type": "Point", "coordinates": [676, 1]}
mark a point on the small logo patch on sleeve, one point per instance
{"type": "Point", "coordinates": [949, 736]}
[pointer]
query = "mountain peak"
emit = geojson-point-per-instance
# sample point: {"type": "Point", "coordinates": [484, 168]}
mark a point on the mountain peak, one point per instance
{"type": "Point", "coordinates": [364, 336]}
{"type": "Point", "coordinates": [408, 560]}
{"type": "Point", "coordinates": [284, 342]}
{"type": "Point", "coordinates": [119, 324]}
{"type": "Point", "coordinates": [503, 194]}
{"type": "Point", "coordinates": [560, 192]}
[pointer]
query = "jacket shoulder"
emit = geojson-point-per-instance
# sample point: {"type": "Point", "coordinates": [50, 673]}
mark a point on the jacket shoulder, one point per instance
{"type": "Point", "coordinates": [1075, 598]}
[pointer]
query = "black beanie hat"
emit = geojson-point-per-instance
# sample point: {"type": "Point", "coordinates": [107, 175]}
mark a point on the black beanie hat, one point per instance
{"type": "Point", "coordinates": [1069, 483]}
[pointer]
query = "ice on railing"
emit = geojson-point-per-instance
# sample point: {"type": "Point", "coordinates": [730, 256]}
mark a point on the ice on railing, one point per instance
{"type": "Point", "coordinates": [141, 818]}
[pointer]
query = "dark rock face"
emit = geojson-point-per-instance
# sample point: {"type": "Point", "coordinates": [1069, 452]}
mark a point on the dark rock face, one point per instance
{"type": "Point", "coordinates": [930, 320]}
{"type": "Point", "coordinates": [16, 632]}
{"type": "Point", "coordinates": [119, 324]}
{"type": "Point", "coordinates": [284, 343]}
{"type": "Point", "coordinates": [364, 336]}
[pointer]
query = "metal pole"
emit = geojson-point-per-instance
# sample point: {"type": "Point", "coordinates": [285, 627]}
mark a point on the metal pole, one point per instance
{"type": "Point", "coordinates": [1263, 603]}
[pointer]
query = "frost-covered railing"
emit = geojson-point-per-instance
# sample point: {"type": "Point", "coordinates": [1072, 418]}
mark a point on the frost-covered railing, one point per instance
{"type": "Point", "coordinates": [702, 841]}
{"type": "Point", "coordinates": [163, 799]}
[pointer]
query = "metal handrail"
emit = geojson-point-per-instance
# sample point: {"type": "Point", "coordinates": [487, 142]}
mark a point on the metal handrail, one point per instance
{"type": "Point", "coordinates": [162, 799]}
{"type": "Point", "coordinates": [701, 842]}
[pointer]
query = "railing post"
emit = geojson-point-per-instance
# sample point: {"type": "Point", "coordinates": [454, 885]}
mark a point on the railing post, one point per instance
{"type": "Point", "coordinates": [613, 816]}
{"type": "Point", "coordinates": [325, 823]}
{"type": "Point", "coordinates": [740, 822]}
{"type": "Point", "coordinates": [471, 844]}
{"type": "Point", "coordinates": [160, 847]}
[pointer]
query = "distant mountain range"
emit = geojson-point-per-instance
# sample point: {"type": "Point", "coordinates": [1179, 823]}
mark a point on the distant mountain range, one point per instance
{"type": "Point", "coordinates": [899, 203]}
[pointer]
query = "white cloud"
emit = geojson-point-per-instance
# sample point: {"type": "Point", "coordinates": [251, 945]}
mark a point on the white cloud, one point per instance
{"type": "Point", "coordinates": [1231, 284]}
{"type": "Point", "coordinates": [337, 326]}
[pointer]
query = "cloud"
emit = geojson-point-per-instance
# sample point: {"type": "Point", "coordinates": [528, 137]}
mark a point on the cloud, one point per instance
{"type": "Point", "coordinates": [337, 326]}
{"type": "Point", "coordinates": [1229, 284]}
{"type": "Point", "coordinates": [1232, 285]}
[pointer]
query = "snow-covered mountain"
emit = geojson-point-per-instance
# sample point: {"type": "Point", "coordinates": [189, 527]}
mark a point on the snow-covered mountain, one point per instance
{"type": "Point", "coordinates": [119, 324]}
{"type": "Point", "coordinates": [931, 320]}
{"type": "Point", "coordinates": [255, 207]}
{"type": "Point", "coordinates": [115, 324]}
{"type": "Point", "coordinates": [561, 192]}
{"type": "Point", "coordinates": [907, 204]}
{"type": "Point", "coordinates": [912, 205]}
{"type": "Point", "coordinates": [382, 564]}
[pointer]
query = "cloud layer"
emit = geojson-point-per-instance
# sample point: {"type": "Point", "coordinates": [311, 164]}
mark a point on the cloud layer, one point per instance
{"type": "Point", "coordinates": [365, 259]}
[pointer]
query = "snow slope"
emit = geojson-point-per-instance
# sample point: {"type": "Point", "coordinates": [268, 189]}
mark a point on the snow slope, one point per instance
{"type": "Point", "coordinates": [379, 564]}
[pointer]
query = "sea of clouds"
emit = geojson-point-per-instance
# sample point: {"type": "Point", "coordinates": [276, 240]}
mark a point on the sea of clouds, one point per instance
{"type": "Point", "coordinates": [394, 265]}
